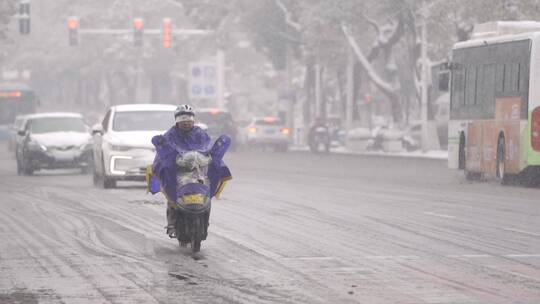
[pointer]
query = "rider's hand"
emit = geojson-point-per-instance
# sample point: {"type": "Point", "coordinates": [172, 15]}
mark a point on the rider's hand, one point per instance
{"type": "Point", "coordinates": [158, 140]}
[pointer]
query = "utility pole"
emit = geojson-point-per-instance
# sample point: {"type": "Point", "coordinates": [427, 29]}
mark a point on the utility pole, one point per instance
{"type": "Point", "coordinates": [220, 58]}
{"type": "Point", "coordinates": [291, 94]}
{"type": "Point", "coordinates": [318, 103]}
{"type": "Point", "coordinates": [423, 77]}
{"type": "Point", "coordinates": [350, 88]}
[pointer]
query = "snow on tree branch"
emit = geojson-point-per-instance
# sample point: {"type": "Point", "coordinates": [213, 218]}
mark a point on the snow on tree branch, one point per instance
{"type": "Point", "coordinates": [381, 84]}
{"type": "Point", "coordinates": [388, 35]}
{"type": "Point", "coordinates": [175, 3]}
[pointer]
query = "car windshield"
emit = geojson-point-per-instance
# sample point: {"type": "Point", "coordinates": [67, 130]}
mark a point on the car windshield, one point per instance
{"type": "Point", "coordinates": [57, 124]}
{"type": "Point", "coordinates": [143, 121]}
{"type": "Point", "coordinates": [214, 118]}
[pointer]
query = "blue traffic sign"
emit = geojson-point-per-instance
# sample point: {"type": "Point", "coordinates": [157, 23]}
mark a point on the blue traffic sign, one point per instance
{"type": "Point", "coordinates": [209, 90]}
{"type": "Point", "coordinates": [209, 72]}
{"type": "Point", "coordinates": [196, 90]}
{"type": "Point", "coordinates": [196, 72]}
{"type": "Point", "coordinates": [203, 80]}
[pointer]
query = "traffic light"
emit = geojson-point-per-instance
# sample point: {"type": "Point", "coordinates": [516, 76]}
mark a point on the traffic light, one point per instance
{"type": "Point", "coordinates": [138, 31]}
{"type": "Point", "coordinates": [73, 31]}
{"type": "Point", "coordinates": [167, 33]}
{"type": "Point", "coordinates": [24, 17]}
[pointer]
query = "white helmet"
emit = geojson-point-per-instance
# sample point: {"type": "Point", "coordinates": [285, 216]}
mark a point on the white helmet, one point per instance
{"type": "Point", "coordinates": [184, 109]}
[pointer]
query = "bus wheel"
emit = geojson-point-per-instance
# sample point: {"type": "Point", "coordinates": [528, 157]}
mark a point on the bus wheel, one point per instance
{"type": "Point", "coordinates": [461, 155]}
{"type": "Point", "coordinates": [469, 175]}
{"type": "Point", "coordinates": [472, 176]}
{"type": "Point", "coordinates": [502, 176]}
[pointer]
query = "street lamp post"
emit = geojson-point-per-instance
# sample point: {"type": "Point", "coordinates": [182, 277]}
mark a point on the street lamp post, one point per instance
{"type": "Point", "coordinates": [423, 79]}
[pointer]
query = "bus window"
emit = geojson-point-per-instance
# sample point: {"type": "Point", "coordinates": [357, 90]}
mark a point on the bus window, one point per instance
{"type": "Point", "coordinates": [480, 85]}
{"type": "Point", "coordinates": [470, 86]}
{"type": "Point", "coordinates": [489, 90]}
{"type": "Point", "coordinates": [511, 71]}
{"type": "Point", "coordinates": [499, 78]}
{"type": "Point", "coordinates": [457, 89]}
{"type": "Point", "coordinates": [523, 83]}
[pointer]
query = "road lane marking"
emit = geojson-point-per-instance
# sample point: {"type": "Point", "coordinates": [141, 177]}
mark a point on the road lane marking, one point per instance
{"type": "Point", "coordinates": [311, 258]}
{"type": "Point", "coordinates": [521, 231]}
{"type": "Point", "coordinates": [532, 255]}
{"type": "Point", "coordinates": [470, 256]}
{"type": "Point", "coordinates": [439, 215]}
{"type": "Point", "coordinates": [391, 257]}
{"type": "Point", "coordinates": [415, 257]}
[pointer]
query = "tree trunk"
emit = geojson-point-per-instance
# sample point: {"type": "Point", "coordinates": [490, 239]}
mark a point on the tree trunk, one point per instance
{"type": "Point", "coordinates": [309, 93]}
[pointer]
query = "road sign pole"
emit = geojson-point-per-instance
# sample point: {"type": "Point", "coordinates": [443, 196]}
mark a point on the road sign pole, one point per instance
{"type": "Point", "coordinates": [220, 58]}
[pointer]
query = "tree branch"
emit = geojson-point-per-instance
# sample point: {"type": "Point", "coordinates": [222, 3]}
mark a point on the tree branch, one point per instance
{"type": "Point", "coordinates": [381, 84]}
{"type": "Point", "coordinates": [288, 16]}
{"type": "Point", "coordinates": [383, 42]}
{"type": "Point", "coordinates": [374, 24]}
{"type": "Point", "coordinates": [284, 36]}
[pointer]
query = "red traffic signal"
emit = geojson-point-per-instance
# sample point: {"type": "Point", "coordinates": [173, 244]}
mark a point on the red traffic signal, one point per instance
{"type": "Point", "coordinates": [73, 31]}
{"type": "Point", "coordinates": [368, 99]}
{"type": "Point", "coordinates": [73, 23]}
{"type": "Point", "coordinates": [167, 33]}
{"type": "Point", "coordinates": [138, 23]}
{"type": "Point", "coordinates": [138, 31]}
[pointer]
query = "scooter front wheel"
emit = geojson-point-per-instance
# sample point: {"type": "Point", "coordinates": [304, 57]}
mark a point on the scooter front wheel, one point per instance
{"type": "Point", "coordinates": [195, 246]}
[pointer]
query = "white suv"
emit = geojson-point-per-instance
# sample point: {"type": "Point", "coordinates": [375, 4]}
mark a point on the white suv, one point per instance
{"type": "Point", "coordinates": [122, 142]}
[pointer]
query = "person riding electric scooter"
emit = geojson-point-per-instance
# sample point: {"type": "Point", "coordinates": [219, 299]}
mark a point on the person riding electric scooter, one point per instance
{"type": "Point", "coordinates": [179, 141]}
{"type": "Point", "coordinates": [319, 136]}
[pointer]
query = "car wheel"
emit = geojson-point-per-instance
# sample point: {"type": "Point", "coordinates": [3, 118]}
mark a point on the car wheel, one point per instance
{"type": "Point", "coordinates": [104, 181]}
{"type": "Point", "coordinates": [19, 166]}
{"type": "Point", "coordinates": [472, 176]}
{"type": "Point", "coordinates": [85, 170]}
{"type": "Point", "coordinates": [502, 176]}
{"type": "Point", "coordinates": [27, 169]}
{"type": "Point", "coordinates": [282, 148]}
{"type": "Point", "coordinates": [96, 178]}
{"type": "Point", "coordinates": [109, 183]}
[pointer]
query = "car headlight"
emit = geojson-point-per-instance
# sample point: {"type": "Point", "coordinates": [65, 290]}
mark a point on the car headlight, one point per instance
{"type": "Point", "coordinates": [119, 147]}
{"type": "Point", "coordinates": [85, 146]}
{"type": "Point", "coordinates": [32, 145]}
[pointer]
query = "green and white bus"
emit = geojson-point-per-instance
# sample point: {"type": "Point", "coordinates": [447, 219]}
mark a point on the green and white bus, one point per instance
{"type": "Point", "coordinates": [494, 126]}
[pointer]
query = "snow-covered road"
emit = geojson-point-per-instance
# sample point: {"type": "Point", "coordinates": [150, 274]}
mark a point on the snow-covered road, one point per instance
{"type": "Point", "coordinates": [290, 228]}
